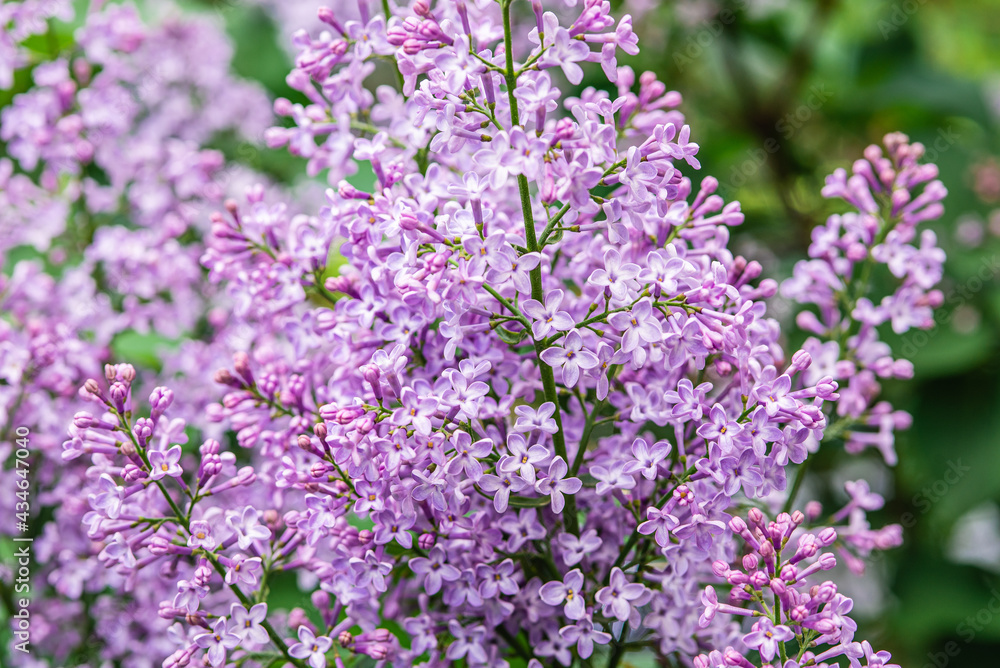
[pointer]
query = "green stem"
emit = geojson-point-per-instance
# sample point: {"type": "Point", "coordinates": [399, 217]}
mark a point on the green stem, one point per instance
{"type": "Point", "coordinates": [395, 65]}
{"type": "Point", "coordinates": [537, 292]}
{"type": "Point", "coordinates": [799, 477]}
{"type": "Point", "coordinates": [619, 651]}
{"type": "Point", "coordinates": [183, 521]}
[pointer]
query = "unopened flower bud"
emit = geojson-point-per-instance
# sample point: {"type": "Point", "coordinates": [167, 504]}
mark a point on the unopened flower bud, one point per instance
{"type": "Point", "coordinates": [132, 473]}
{"type": "Point", "coordinates": [241, 363]}
{"type": "Point", "coordinates": [827, 536]}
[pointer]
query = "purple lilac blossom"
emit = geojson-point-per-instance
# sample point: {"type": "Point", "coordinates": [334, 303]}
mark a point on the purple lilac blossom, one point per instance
{"type": "Point", "coordinates": [449, 431]}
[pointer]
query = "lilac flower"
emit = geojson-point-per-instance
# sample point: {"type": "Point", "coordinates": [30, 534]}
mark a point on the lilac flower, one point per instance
{"type": "Point", "coordinates": [247, 528]}
{"type": "Point", "coordinates": [660, 524]}
{"type": "Point", "coordinates": [109, 497]}
{"type": "Point", "coordinates": [606, 357]}
{"type": "Point", "coordinates": [244, 571]}
{"type": "Point", "coordinates": [468, 455]}
{"type": "Point", "coordinates": [390, 527]}
{"type": "Point", "coordinates": [247, 623]}
{"type": "Point", "coordinates": [165, 463]}
{"type": "Point", "coordinates": [575, 549]}
{"type": "Point", "coordinates": [416, 411]}
{"type": "Point", "coordinates": [468, 642]}
{"type": "Point", "coordinates": [189, 595]}
{"type": "Point", "coordinates": [617, 278]}
{"type": "Point", "coordinates": [555, 484]}
{"type": "Point", "coordinates": [217, 642]}
{"type": "Point", "coordinates": [540, 419]}
{"type": "Point", "coordinates": [570, 358]}
{"type": "Point", "coordinates": [497, 579]}
{"type": "Point", "coordinates": [370, 571]}
{"type": "Point", "coordinates": [311, 648]}
{"type": "Point", "coordinates": [200, 535]}
{"type": "Point", "coordinates": [648, 459]}
{"type": "Point", "coordinates": [431, 486]}
{"type": "Point", "coordinates": [638, 326]}
{"type": "Point", "coordinates": [569, 591]}
{"type": "Point", "coordinates": [522, 458]}
{"type": "Point", "coordinates": [765, 637]}
{"type": "Point", "coordinates": [522, 528]}
{"type": "Point", "coordinates": [615, 477]}
{"type": "Point", "coordinates": [547, 318]}
{"type": "Point", "coordinates": [619, 597]}
{"type": "Point", "coordinates": [119, 551]}
{"type": "Point", "coordinates": [506, 267]}
{"type": "Point", "coordinates": [741, 472]}
{"type": "Point", "coordinates": [639, 177]}
{"type": "Point", "coordinates": [434, 569]}
{"type": "Point", "coordinates": [775, 396]}
{"type": "Point", "coordinates": [501, 487]}
{"type": "Point", "coordinates": [585, 635]}
{"type": "Point", "coordinates": [566, 52]}
{"type": "Point", "coordinates": [721, 428]}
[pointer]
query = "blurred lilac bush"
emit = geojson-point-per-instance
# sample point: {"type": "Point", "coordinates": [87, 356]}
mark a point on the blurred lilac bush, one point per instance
{"type": "Point", "coordinates": [532, 408]}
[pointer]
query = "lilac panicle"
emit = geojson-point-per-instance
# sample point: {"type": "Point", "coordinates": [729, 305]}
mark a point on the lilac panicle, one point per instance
{"type": "Point", "coordinates": [517, 416]}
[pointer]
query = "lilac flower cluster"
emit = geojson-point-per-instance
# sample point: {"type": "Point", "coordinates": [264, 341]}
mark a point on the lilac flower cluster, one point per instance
{"type": "Point", "coordinates": [794, 617]}
{"type": "Point", "coordinates": [502, 408]}
{"type": "Point", "coordinates": [892, 193]}
{"type": "Point", "coordinates": [105, 191]}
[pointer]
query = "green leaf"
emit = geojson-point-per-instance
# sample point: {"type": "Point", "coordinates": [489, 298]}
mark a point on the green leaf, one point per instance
{"type": "Point", "coordinates": [507, 336]}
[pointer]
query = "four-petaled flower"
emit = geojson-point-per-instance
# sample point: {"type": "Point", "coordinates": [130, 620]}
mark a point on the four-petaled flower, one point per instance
{"type": "Point", "coordinates": [311, 647]}
{"type": "Point", "coordinates": [617, 278]}
{"type": "Point", "coordinates": [522, 459]}
{"type": "Point", "coordinates": [765, 636]}
{"type": "Point", "coordinates": [556, 484]}
{"type": "Point", "coordinates": [244, 570]}
{"type": "Point", "coordinates": [530, 419]}
{"type": "Point", "coordinates": [637, 326]}
{"type": "Point", "coordinates": [570, 358]}
{"type": "Point", "coordinates": [569, 591]}
{"type": "Point", "coordinates": [201, 535]}
{"type": "Point", "coordinates": [217, 642]}
{"type": "Point", "coordinates": [165, 463]}
{"type": "Point", "coordinates": [584, 634]}
{"type": "Point", "coordinates": [619, 597]}
{"type": "Point", "coordinates": [249, 623]}
{"type": "Point", "coordinates": [247, 528]}
{"type": "Point", "coordinates": [659, 523]}
{"type": "Point", "coordinates": [435, 569]}
{"type": "Point", "coordinates": [109, 497]}
{"type": "Point", "coordinates": [547, 318]}
{"type": "Point", "coordinates": [501, 488]}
